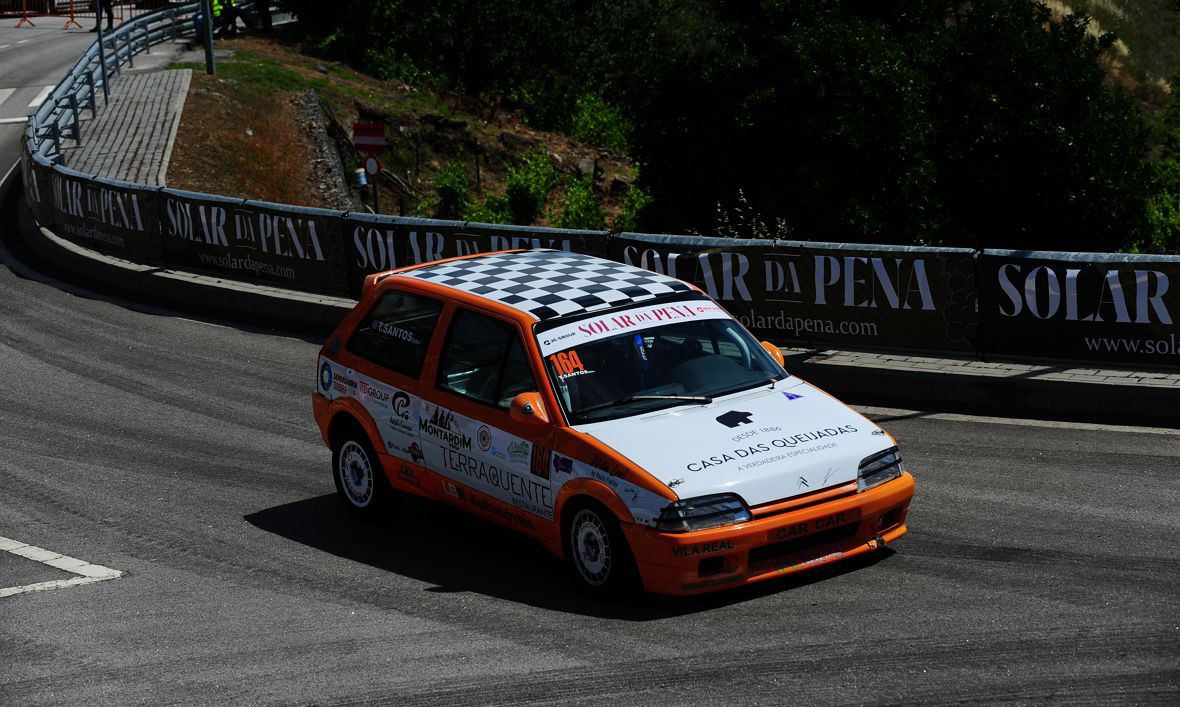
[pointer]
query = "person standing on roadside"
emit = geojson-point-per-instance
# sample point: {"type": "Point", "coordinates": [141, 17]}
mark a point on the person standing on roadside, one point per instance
{"type": "Point", "coordinates": [99, 6]}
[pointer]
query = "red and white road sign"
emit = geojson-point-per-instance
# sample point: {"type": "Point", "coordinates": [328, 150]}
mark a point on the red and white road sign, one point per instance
{"type": "Point", "coordinates": [372, 166]}
{"type": "Point", "coordinates": [368, 137]}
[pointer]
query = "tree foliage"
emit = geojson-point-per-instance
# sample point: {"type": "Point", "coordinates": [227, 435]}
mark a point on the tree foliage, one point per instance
{"type": "Point", "coordinates": [903, 121]}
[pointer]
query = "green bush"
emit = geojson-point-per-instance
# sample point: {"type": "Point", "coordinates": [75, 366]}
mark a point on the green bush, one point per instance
{"type": "Point", "coordinates": [494, 209]}
{"type": "Point", "coordinates": [451, 191]}
{"type": "Point", "coordinates": [580, 207]}
{"type": "Point", "coordinates": [528, 187]}
{"type": "Point", "coordinates": [635, 206]}
{"type": "Point", "coordinates": [597, 122]}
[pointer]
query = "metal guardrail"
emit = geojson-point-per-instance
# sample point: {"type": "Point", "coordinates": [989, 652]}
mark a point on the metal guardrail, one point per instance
{"type": "Point", "coordinates": [59, 117]}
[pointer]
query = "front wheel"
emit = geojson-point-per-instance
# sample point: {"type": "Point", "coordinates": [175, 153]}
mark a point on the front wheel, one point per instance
{"type": "Point", "coordinates": [360, 480]}
{"type": "Point", "coordinates": [598, 553]}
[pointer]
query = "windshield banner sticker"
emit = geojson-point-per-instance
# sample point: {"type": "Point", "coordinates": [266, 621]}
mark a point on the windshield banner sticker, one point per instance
{"type": "Point", "coordinates": [635, 319]}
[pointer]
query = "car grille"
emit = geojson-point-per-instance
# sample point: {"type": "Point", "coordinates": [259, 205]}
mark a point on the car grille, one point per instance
{"type": "Point", "coordinates": [787, 548]}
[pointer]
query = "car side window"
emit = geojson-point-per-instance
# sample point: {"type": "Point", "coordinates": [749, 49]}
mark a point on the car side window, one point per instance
{"type": "Point", "coordinates": [484, 360]}
{"type": "Point", "coordinates": [396, 332]}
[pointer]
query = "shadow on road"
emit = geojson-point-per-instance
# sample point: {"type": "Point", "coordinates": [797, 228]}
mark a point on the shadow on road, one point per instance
{"type": "Point", "coordinates": [457, 552]}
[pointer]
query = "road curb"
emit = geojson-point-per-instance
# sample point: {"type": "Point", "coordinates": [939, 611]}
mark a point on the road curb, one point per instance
{"type": "Point", "coordinates": [227, 298]}
{"type": "Point", "coordinates": [982, 394]}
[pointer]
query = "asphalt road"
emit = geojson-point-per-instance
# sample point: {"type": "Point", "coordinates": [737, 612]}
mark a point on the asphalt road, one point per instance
{"type": "Point", "coordinates": [1042, 561]}
{"type": "Point", "coordinates": [31, 58]}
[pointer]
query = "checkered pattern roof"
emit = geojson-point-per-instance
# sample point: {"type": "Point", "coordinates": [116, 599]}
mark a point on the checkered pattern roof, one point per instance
{"type": "Point", "coordinates": [551, 283]}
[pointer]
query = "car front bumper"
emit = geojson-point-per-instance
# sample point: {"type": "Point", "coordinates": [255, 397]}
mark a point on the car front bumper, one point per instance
{"type": "Point", "coordinates": [774, 545]}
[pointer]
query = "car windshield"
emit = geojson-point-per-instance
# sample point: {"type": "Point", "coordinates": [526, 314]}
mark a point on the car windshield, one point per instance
{"type": "Point", "coordinates": [610, 375]}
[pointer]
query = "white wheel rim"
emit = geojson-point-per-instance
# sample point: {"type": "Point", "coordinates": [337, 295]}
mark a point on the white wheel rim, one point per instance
{"type": "Point", "coordinates": [356, 474]}
{"type": "Point", "coordinates": [591, 547]}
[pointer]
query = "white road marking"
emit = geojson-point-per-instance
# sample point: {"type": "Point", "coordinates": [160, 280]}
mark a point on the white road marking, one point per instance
{"type": "Point", "coordinates": [23, 41]}
{"type": "Point", "coordinates": [41, 97]}
{"type": "Point", "coordinates": [5, 46]}
{"type": "Point", "coordinates": [197, 321]}
{"type": "Point", "coordinates": [876, 413]}
{"type": "Point", "coordinates": [5, 93]}
{"type": "Point", "coordinates": [87, 573]}
{"type": "Point", "coordinates": [13, 121]}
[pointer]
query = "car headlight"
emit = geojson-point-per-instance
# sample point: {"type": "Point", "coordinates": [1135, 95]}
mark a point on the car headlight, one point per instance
{"type": "Point", "coordinates": [703, 512]}
{"type": "Point", "coordinates": [878, 468]}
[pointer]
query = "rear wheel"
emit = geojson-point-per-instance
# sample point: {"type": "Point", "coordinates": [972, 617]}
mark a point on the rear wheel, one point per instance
{"type": "Point", "coordinates": [360, 479]}
{"type": "Point", "coordinates": [598, 553]}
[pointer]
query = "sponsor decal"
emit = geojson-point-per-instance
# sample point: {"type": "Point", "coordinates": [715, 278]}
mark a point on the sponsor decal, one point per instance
{"type": "Point", "coordinates": [518, 452]}
{"type": "Point", "coordinates": [416, 453]}
{"type": "Point", "coordinates": [401, 405]}
{"type": "Point", "coordinates": [755, 433]}
{"type": "Point", "coordinates": [733, 418]}
{"type": "Point", "coordinates": [484, 435]}
{"type": "Point", "coordinates": [407, 474]}
{"type": "Point", "coordinates": [702, 549]}
{"type": "Point", "coordinates": [553, 340]}
{"type": "Point", "coordinates": [802, 483]}
{"type": "Point", "coordinates": [396, 332]}
{"type": "Point", "coordinates": [791, 396]}
{"type": "Point", "coordinates": [608, 465]}
{"type": "Point", "coordinates": [878, 433]}
{"type": "Point", "coordinates": [567, 364]}
{"type": "Point", "coordinates": [831, 470]}
{"type": "Point", "coordinates": [674, 483]}
{"type": "Point", "coordinates": [789, 443]}
{"type": "Point", "coordinates": [540, 458]}
{"type": "Point", "coordinates": [712, 582]}
{"type": "Point", "coordinates": [811, 563]}
{"type": "Point", "coordinates": [810, 526]}
{"type": "Point", "coordinates": [452, 490]}
{"type": "Point", "coordinates": [325, 376]}
{"type": "Point", "coordinates": [645, 506]}
{"type": "Point", "coordinates": [492, 509]}
{"type": "Point", "coordinates": [525, 493]}
{"type": "Point", "coordinates": [441, 425]}
{"type": "Point", "coordinates": [599, 475]}
{"type": "Point", "coordinates": [373, 394]}
{"type": "Point", "coordinates": [563, 465]}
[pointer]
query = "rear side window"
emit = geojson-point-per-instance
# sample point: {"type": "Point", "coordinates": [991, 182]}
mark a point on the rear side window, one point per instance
{"type": "Point", "coordinates": [396, 332]}
{"type": "Point", "coordinates": [484, 360]}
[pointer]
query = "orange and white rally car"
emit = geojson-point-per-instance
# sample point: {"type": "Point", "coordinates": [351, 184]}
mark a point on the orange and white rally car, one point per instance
{"type": "Point", "coordinates": [620, 417]}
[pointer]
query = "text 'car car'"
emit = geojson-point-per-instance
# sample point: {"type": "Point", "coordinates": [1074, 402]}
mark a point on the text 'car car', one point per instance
{"type": "Point", "coordinates": [620, 417]}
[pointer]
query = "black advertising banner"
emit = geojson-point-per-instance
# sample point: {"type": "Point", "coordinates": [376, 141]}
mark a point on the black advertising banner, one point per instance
{"type": "Point", "coordinates": [375, 243]}
{"type": "Point", "coordinates": [35, 174]}
{"type": "Point", "coordinates": [301, 248]}
{"type": "Point", "coordinates": [378, 243]}
{"type": "Point", "coordinates": [196, 231]}
{"type": "Point", "coordinates": [107, 215]}
{"type": "Point", "coordinates": [296, 248]}
{"type": "Point", "coordinates": [875, 297]}
{"type": "Point", "coordinates": [1080, 306]}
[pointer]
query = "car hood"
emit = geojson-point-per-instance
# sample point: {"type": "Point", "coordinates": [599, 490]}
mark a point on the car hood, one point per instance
{"type": "Point", "coordinates": [765, 444]}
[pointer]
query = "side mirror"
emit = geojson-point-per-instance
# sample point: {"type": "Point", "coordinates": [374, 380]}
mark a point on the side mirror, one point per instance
{"type": "Point", "coordinates": [527, 409]}
{"type": "Point", "coordinates": [775, 353]}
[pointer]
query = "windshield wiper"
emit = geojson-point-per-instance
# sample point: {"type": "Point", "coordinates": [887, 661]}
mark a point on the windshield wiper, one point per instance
{"type": "Point", "coordinates": [692, 399]}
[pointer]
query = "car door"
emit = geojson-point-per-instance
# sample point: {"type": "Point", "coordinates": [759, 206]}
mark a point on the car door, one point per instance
{"type": "Point", "coordinates": [467, 434]}
{"type": "Point", "coordinates": [384, 357]}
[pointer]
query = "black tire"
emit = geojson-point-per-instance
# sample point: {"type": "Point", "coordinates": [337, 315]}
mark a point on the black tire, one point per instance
{"type": "Point", "coordinates": [360, 479]}
{"type": "Point", "coordinates": [599, 557]}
